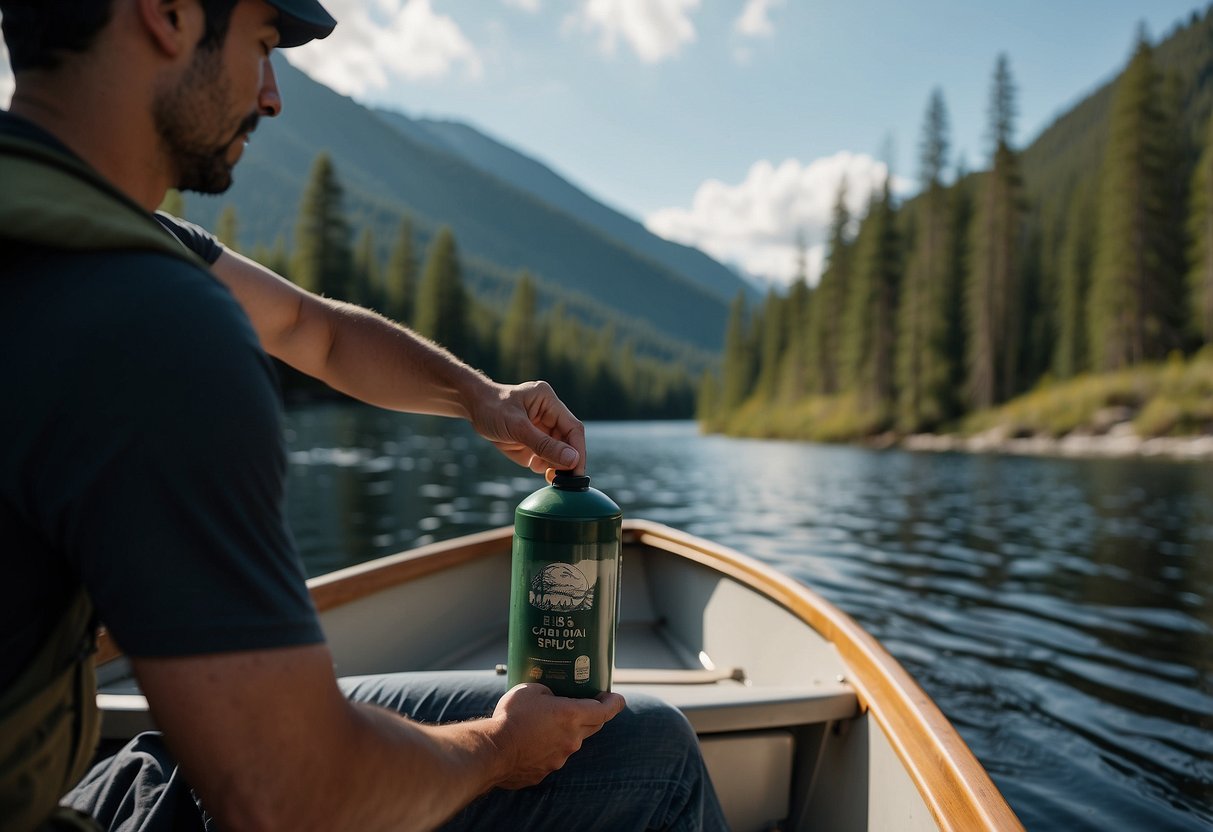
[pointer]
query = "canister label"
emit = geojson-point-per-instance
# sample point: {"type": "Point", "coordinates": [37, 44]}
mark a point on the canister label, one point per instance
{"type": "Point", "coordinates": [562, 624]}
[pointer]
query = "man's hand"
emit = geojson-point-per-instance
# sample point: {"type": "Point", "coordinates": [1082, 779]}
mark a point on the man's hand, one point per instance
{"type": "Point", "coordinates": [536, 732]}
{"type": "Point", "coordinates": [530, 425]}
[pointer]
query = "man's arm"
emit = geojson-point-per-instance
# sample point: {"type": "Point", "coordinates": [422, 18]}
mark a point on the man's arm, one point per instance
{"type": "Point", "coordinates": [370, 358]}
{"type": "Point", "coordinates": [269, 742]}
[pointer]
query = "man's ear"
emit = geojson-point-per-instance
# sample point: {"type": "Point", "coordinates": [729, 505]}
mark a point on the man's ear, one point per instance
{"type": "Point", "coordinates": [175, 26]}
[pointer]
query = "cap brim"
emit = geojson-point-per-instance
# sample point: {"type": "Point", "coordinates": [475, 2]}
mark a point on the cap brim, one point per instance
{"type": "Point", "coordinates": [300, 21]}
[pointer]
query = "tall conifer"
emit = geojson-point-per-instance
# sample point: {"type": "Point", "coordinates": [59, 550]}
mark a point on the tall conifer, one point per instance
{"type": "Point", "coordinates": [828, 307]}
{"type": "Point", "coordinates": [1136, 287]}
{"type": "Point", "coordinates": [924, 363]}
{"type": "Point", "coordinates": [518, 342]}
{"type": "Point", "coordinates": [400, 281]}
{"type": "Point", "coordinates": [993, 297]}
{"type": "Point", "coordinates": [794, 370]}
{"type": "Point", "coordinates": [1200, 236]}
{"type": "Point", "coordinates": [366, 276]}
{"type": "Point", "coordinates": [322, 262]}
{"type": "Point", "coordinates": [870, 319]}
{"type": "Point", "coordinates": [738, 366]}
{"type": "Point", "coordinates": [441, 301]}
{"type": "Point", "coordinates": [1074, 281]}
{"type": "Point", "coordinates": [772, 336]}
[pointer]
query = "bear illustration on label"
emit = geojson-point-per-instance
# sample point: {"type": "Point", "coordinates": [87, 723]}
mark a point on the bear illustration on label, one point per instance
{"type": "Point", "coordinates": [561, 586]}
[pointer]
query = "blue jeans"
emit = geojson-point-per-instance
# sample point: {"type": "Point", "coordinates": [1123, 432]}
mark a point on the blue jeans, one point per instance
{"type": "Point", "coordinates": [642, 771]}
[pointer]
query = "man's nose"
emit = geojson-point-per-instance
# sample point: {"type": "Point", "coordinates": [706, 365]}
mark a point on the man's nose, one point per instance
{"type": "Point", "coordinates": [269, 99]}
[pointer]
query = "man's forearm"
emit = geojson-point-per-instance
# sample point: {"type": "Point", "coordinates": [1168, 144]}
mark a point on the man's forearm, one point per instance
{"type": "Point", "coordinates": [352, 349]}
{"type": "Point", "coordinates": [269, 742]}
{"type": "Point", "coordinates": [413, 776]}
{"type": "Point", "coordinates": [384, 364]}
{"type": "Point", "coordinates": [366, 356]}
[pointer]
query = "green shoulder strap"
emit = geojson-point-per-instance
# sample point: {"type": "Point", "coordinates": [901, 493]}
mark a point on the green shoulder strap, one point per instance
{"type": "Point", "coordinates": [49, 725]}
{"type": "Point", "coordinates": [54, 200]}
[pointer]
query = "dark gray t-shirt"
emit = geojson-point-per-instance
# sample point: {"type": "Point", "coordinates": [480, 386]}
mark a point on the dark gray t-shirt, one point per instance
{"type": "Point", "coordinates": [194, 237]}
{"type": "Point", "coordinates": [142, 456]}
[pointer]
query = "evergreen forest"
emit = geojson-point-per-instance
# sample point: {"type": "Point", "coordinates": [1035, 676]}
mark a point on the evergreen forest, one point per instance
{"type": "Point", "coordinates": [1087, 257]}
{"type": "Point", "coordinates": [533, 332]}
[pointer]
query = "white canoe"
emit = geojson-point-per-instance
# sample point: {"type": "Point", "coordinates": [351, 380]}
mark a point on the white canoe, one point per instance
{"type": "Point", "coordinates": [805, 721]}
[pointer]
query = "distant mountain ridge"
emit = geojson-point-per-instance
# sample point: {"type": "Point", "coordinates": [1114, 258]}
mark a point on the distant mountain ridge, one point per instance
{"type": "Point", "coordinates": [530, 175]}
{"type": "Point", "coordinates": [389, 172]}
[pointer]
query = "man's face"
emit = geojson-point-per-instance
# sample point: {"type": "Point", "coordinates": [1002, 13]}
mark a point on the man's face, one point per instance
{"type": "Point", "coordinates": [205, 117]}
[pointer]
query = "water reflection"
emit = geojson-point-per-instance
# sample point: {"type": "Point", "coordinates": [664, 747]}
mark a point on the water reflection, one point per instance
{"type": "Point", "coordinates": [1059, 611]}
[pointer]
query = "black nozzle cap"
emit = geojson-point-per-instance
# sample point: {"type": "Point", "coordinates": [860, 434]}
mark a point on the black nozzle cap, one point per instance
{"type": "Point", "coordinates": [568, 481]}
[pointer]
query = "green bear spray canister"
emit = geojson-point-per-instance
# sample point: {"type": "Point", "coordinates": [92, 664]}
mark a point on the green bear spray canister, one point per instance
{"type": "Point", "coordinates": [564, 590]}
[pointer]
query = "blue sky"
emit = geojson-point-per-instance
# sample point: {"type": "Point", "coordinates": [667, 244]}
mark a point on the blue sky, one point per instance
{"type": "Point", "coordinates": [727, 123]}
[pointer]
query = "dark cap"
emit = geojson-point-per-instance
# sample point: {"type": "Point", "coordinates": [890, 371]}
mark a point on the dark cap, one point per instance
{"type": "Point", "coordinates": [301, 21]}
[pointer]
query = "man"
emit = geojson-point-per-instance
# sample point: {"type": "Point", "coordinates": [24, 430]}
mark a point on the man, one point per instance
{"type": "Point", "coordinates": [141, 482]}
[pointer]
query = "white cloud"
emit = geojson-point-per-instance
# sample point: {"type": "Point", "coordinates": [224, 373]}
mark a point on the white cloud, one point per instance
{"type": "Point", "coordinates": [403, 38]}
{"type": "Point", "coordinates": [531, 6]}
{"type": "Point", "coordinates": [755, 224]}
{"type": "Point", "coordinates": [754, 20]}
{"type": "Point", "coordinates": [654, 29]}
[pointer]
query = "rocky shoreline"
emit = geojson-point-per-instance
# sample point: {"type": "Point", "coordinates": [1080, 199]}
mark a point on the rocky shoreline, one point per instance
{"type": "Point", "coordinates": [1119, 441]}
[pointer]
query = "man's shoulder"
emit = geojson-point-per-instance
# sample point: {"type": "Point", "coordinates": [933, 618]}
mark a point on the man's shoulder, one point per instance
{"type": "Point", "coordinates": [118, 283]}
{"type": "Point", "coordinates": [157, 319]}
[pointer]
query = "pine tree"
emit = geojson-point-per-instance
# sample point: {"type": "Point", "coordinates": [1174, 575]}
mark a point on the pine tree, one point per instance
{"type": "Point", "coordinates": [738, 366]}
{"type": "Point", "coordinates": [993, 297]}
{"type": "Point", "coordinates": [1136, 292]}
{"type": "Point", "coordinates": [869, 339]}
{"type": "Point", "coordinates": [827, 308]}
{"type": "Point", "coordinates": [400, 282]}
{"type": "Point", "coordinates": [322, 262]}
{"type": "Point", "coordinates": [924, 362]}
{"type": "Point", "coordinates": [227, 227]}
{"type": "Point", "coordinates": [441, 302]}
{"type": "Point", "coordinates": [1074, 281]}
{"type": "Point", "coordinates": [367, 278]}
{"type": "Point", "coordinates": [960, 222]}
{"type": "Point", "coordinates": [518, 342]}
{"type": "Point", "coordinates": [707, 400]}
{"type": "Point", "coordinates": [772, 336]}
{"type": "Point", "coordinates": [1200, 235]}
{"type": "Point", "coordinates": [794, 370]}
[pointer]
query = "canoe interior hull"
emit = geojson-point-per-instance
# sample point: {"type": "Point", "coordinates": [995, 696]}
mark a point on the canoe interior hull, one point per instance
{"type": "Point", "coordinates": [787, 734]}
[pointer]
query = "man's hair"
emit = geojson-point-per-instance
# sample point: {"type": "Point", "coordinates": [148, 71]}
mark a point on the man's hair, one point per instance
{"type": "Point", "coordinates": [39, 32]}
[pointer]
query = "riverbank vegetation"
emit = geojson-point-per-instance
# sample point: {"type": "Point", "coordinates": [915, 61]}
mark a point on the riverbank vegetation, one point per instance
{"type": "Point", "coordinates": [1172, 398]}
{"type": "Point", "coordinates": [1058, 288]}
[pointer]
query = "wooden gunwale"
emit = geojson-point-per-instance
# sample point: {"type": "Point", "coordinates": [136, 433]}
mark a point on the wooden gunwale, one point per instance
{"type": "Point", "coordinates": [954, 785]}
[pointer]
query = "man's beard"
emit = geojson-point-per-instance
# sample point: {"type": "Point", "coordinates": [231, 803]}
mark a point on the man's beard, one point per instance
{"type": "Point", "coordinates": [188, 119]}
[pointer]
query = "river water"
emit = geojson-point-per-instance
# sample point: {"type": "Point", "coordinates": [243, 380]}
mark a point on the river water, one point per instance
{"type": "Point", "coordinates": [1060, 612]}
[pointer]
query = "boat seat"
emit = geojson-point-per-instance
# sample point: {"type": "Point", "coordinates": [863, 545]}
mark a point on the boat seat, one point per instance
{"type": "Point", "coordinates": [729, 705]}
{"type": "Point", "coordinates": [713, 701]}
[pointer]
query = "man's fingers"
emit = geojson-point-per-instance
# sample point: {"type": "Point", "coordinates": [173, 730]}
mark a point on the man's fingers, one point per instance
{"type": "Point", "coordinates": [555, 453]}
{"type": "Point", "coordinates": [614, 702]}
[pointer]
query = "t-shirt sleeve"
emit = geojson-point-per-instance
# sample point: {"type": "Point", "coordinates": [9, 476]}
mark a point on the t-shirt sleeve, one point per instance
{"type": "Point", "coordinates": [166, 486]}
{"type": "Point", "coordinates": [194, 237]}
